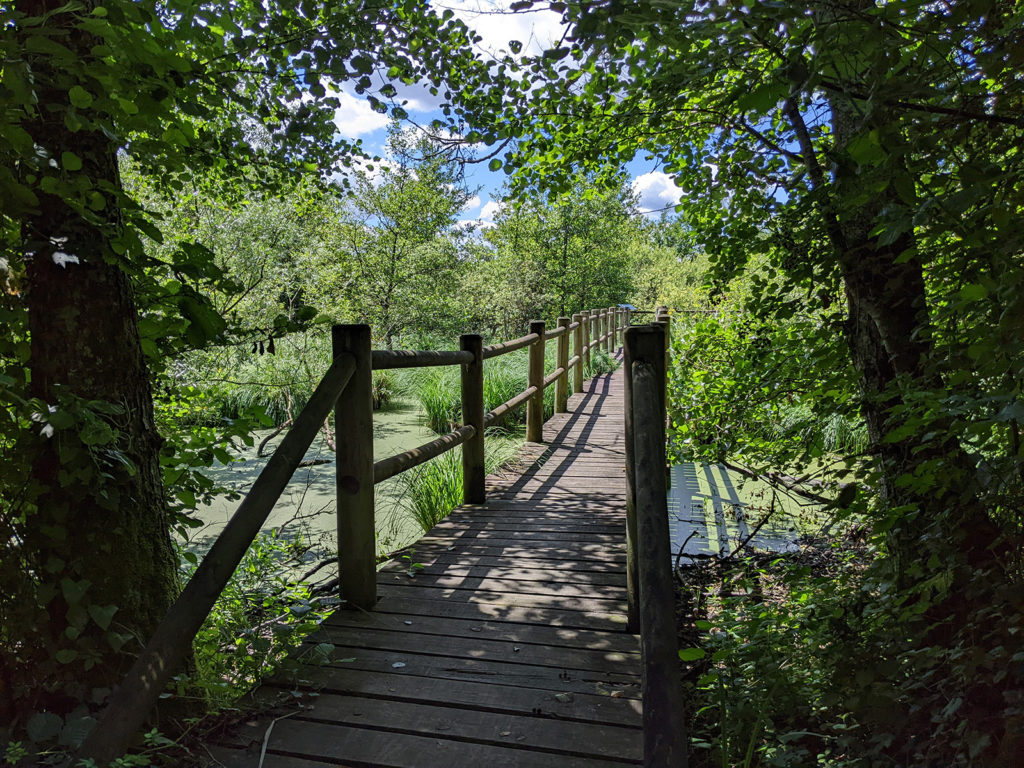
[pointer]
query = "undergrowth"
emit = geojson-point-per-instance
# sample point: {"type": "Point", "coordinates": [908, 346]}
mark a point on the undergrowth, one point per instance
{"type": "Point", "coordinates": [262, 615]}
{"type": "Point", "coordinates": [797, 660]}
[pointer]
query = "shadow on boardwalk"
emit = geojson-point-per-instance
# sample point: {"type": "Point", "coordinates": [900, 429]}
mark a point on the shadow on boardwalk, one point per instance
{"type": "Point", "coordinates": [498, 638]}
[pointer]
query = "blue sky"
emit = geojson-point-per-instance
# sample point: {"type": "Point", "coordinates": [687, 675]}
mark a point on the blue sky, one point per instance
{"type": "Point", "coordinates": [496, 26]}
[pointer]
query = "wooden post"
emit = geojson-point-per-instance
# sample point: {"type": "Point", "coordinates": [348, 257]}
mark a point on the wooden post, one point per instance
{"type": "Point", "coordinates": [610, 330]}
{"type": "Point", "coordinates": [586, 337]}
{"type": "Point", "coordinates": [535, 405]}
{"type": "Point", "coordinates": [577, 350]}
{"type": "Point", "coordinates": [665, 738]}
{"type": "Point", "coordinates": [632, 579]}
{"type": "Point", "coordinates": [473, 415]}
{"type": "Point", "coordinates": [615, 328]}
{"type": "Point", "coordinates": [562, 361]}
{"type": "Point", "coordinates": [662, 321]}
{"type": "Point", "coordinates": [353, 425]}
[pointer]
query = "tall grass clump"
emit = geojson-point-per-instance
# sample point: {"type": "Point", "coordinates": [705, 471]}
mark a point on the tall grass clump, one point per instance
{"type": "Point", "coordinates": [439, 389]}
{"type": "Point", "coordinates": [434, 489]}
{"type": "Point", "coordinates": [600, 363]}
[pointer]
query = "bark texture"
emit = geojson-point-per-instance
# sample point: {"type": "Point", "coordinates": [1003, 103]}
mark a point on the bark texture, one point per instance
{"type": "Point", "coordinates": [100, 518]}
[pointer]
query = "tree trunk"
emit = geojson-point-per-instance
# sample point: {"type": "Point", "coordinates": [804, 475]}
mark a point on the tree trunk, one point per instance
{"type": "Point", "coordinates": [99, 529]}
{"type": "Point", "coordinates": [890, 336]}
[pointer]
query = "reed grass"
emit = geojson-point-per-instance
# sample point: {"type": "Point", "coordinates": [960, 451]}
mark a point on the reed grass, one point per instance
{"type": "Point", "coordinates": [432, 490]}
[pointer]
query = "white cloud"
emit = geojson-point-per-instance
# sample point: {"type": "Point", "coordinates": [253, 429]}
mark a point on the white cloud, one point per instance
{"type": "Point", "coordinates": [472, 203]}
{"type": "Point", "coordinates": [489, 211]}
{"type": "Point", "coordinates": [354, 117]}
{"type": "Point", "coordinates": [656, 190]}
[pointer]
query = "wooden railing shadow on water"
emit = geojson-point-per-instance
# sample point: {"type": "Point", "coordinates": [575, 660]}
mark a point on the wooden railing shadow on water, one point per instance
{"type": "Point", "coordinates": [346, 388]}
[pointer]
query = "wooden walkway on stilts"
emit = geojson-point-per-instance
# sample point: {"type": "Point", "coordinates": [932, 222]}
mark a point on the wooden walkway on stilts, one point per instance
{"type": "Point", "coordinates": [504, 648]}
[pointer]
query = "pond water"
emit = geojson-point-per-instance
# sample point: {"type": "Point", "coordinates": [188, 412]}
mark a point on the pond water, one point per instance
{"type": "Point", "coordinates": [306, 508]}
{"type": "Point", "coordinates": [712, 510]}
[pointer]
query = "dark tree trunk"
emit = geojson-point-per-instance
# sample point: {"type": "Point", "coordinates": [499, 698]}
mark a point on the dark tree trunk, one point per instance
{"type": "Point", "coordinates": [890, 335]}
{"type": "Point", "coordinates": [100, 521]}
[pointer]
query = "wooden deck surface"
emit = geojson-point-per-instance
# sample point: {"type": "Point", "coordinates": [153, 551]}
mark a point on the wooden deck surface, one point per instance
{"type": "Point", "coordinates": [504, 647]}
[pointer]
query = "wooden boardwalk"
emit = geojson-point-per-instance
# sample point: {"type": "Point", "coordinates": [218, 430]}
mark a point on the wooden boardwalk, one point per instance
{"type": "Point", "coordinates": [504, 647]}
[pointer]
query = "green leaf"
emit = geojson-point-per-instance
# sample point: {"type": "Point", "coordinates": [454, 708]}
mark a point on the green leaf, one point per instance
{"type": "Point", "coordinates": [974, 292]}
{"type": "Point", "coordinates": [70, 161]}
{"type": "Point", "coordinates": [96, 432]}
{"type": "Point", "coordinates": [102, 614]}
{"type": "Point", "coordinates": [66, 656]}
{"type": "Point", "coordinates": [80, 97]}
{"type": "Point", "coordinates": [73, 591]}
{"type": "Point", "coordinates": [494, 165]}
{"type": "Point", "coordinates": [692, 654]}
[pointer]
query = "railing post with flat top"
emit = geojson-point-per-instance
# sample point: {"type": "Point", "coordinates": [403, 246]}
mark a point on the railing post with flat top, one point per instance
{"type": "Point", "coordinates": [562, 361]}
{"type": "Point", "coordinates": [577, 351]}
{"type": "Point", "coordinates": [473, 472]}
{"type": "Point", "coordinates": [353, 424]}
{"type": "Point", "coordinates": [535, 405]}
{"type": "Point", "coordinates": [665, 739]}
{"type": "Point", "coordinates": [586, 337]}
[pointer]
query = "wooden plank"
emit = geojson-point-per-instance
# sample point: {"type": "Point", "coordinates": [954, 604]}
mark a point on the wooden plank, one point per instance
{"type": "Point", "coordinates": [416, 605]}
{"type": "Point", "coordinates": [567, 590]}
{"type": "Point", "coordinates": [498, 729]}
{"type": "Point", "coordinates": [485, 697]}
{"type": "Point", "coordinates": [488, 630]}
{"type": "Point", "coordinates": [512, 573]}
{"type": "Point", "coordinates": [461, 533]}
{"type": "Point", "coordinates": [584, 568]}
{"type": "Point", "coordinates": [503, 673]}
{"type": "Point", "coordinates": [510, 549]}
{"type": "Point", "coordinates": [360, 747]}
{"type": "Point", "coordinates": [510, 599]}
{"type": "Point", "coordinates": [536, 548]}
{"type": "Point", "coordinates": [479, 648]}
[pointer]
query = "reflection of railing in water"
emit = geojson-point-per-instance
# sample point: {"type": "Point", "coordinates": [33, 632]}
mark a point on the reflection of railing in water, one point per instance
{"type": "Point", "coordinates": [346, 388]}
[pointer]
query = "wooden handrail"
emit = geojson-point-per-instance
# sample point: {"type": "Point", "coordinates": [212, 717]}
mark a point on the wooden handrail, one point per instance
{"type": "Point", "coordinates": [393, 465]}
{"type": "Point", "coordinates": [508, 406]}
{"type": "Point", "coordinates": [347, 388]}
{"type": "Point", "coordinates": [649, 549]}
{"type": "Point", "coordinates": [552, 377]}
{"type": "Point", "coordinates": [165, 652]}
{"type": "Point", "coordinates": [384, 359]}
{"type": "Point", "coordinates": [509, 346]}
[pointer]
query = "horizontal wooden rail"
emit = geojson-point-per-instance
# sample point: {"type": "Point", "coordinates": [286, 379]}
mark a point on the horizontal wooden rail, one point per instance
{"type": "Point", "coordinates": [385, 359]}
{"type": "Point", "coordinates": [166, 651]}
{"type": "Point", "coordinates": [508, 406]}
{"type": "Point", "coordinates": [551, 377]}
{"type": "Point", "coordinates": [393, 465]}
{"type": "Point", "coordinates": [554, 333]}
{"type": "Point", "coordinates": [574, 361]}
{"type": "Point", "coordinates": [574, 326]}
{"type": "Point", "coordinates": [509, 346]}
